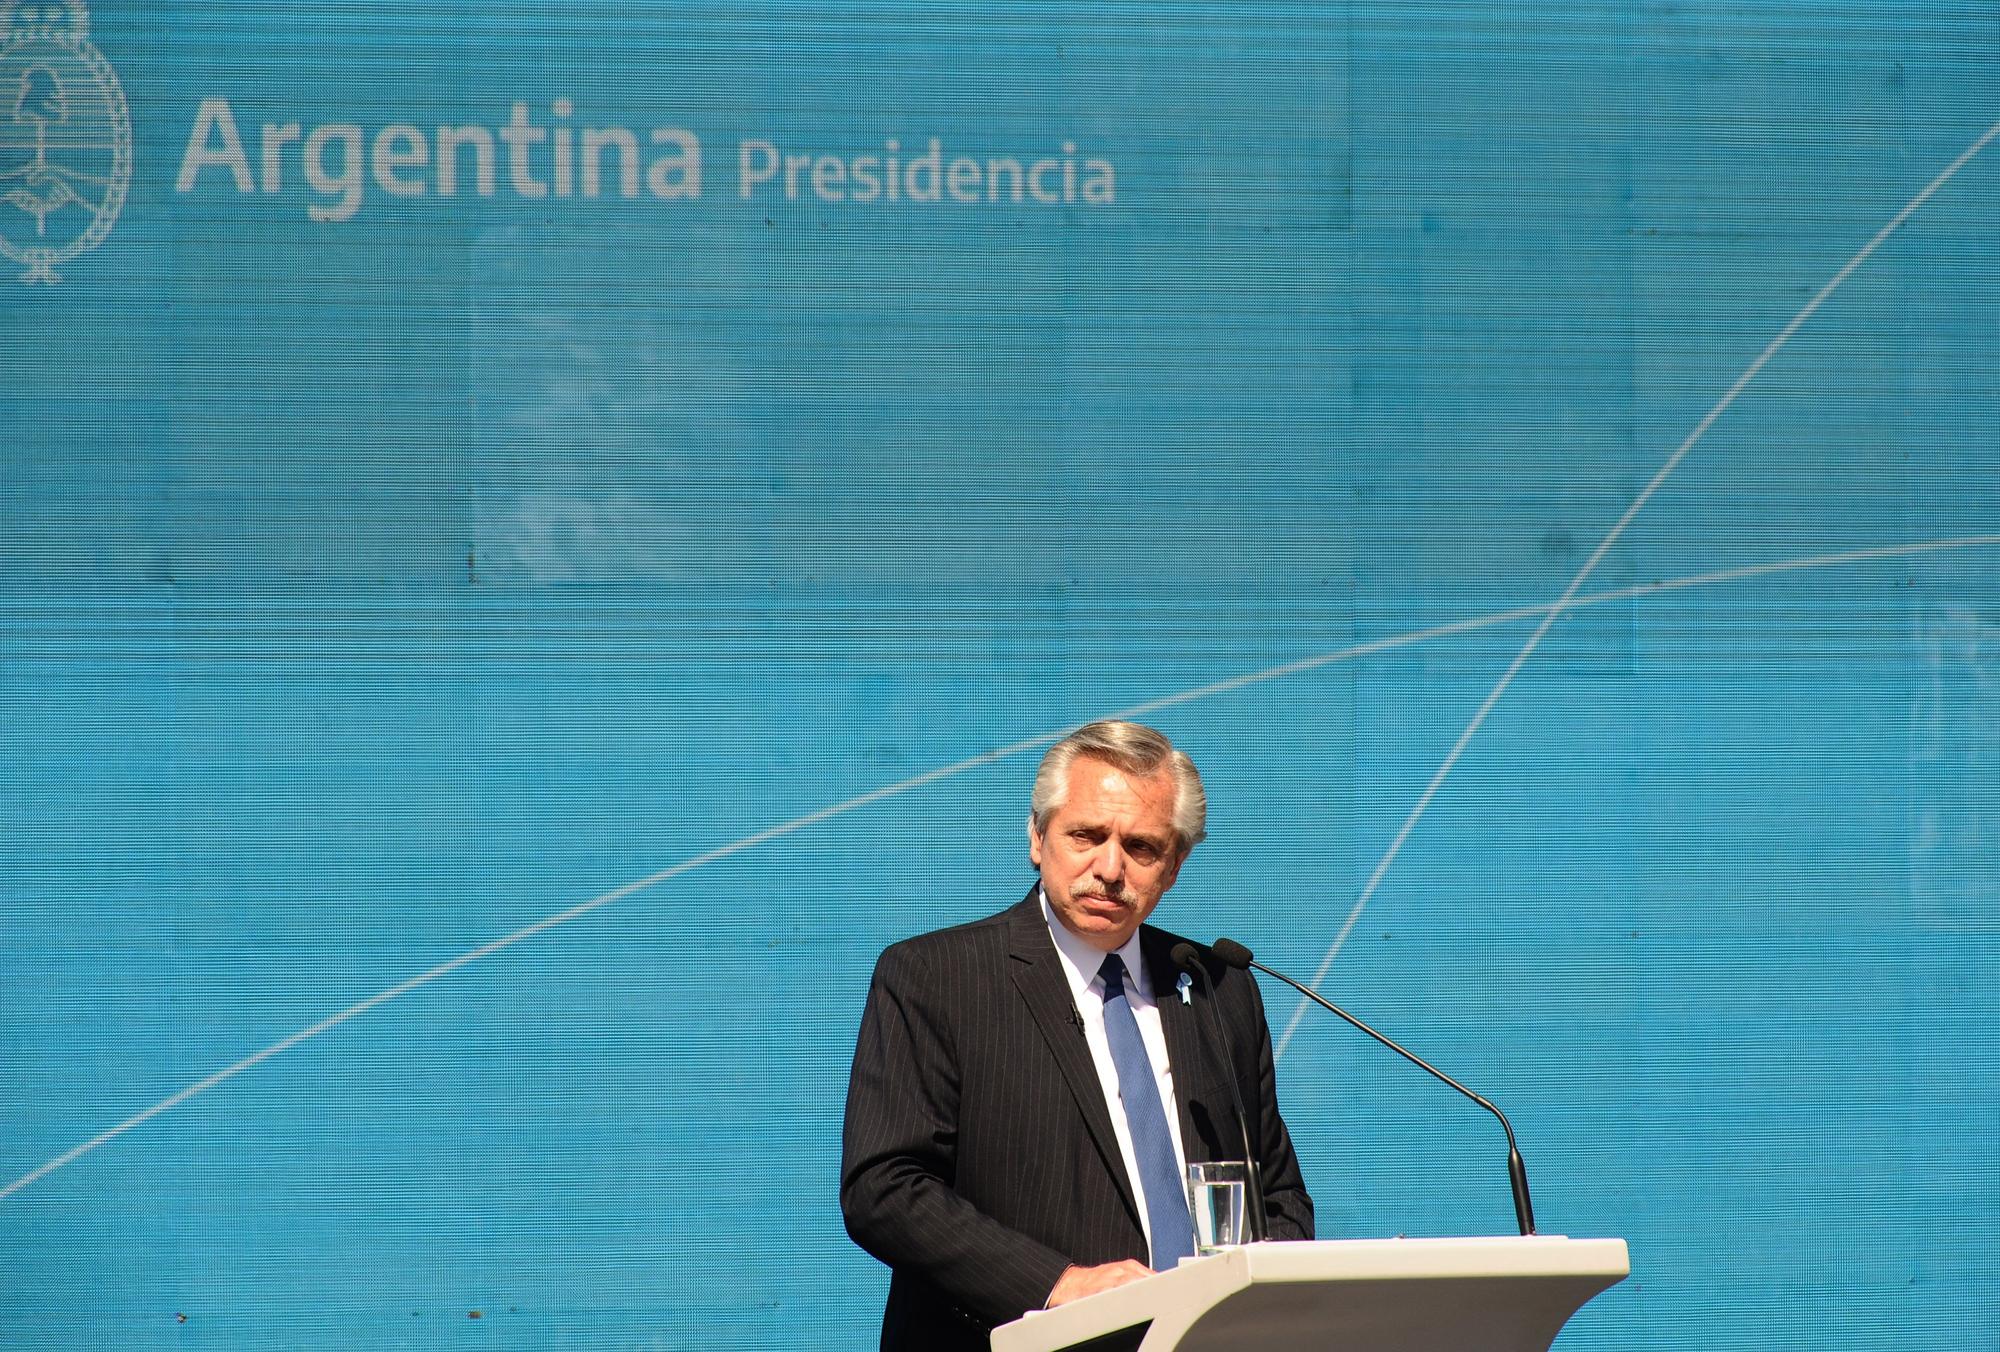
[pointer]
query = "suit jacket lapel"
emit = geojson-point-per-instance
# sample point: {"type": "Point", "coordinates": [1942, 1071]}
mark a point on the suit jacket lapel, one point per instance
{"type": "Point", "coordinates": [1186, 1052]}
{"type": "Point", "coordinates": [1038, 975]}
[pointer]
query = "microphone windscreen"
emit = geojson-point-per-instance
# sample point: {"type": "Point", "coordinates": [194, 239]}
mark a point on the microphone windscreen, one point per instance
{"type": "Point", "coordinates": [1231, 952]}
{"type": "Point", "coordinates": [1185, 956]}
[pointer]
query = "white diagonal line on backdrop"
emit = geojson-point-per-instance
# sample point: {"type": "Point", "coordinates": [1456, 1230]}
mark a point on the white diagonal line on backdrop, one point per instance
{"type": "Point", "coordinates": [1554, 612]}
{"type": "Point", "coordinates": [953, 770]}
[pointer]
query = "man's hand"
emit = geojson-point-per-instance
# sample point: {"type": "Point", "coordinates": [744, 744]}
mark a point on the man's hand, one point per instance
{"type": "Point", "coordinates": [1078, 1282]}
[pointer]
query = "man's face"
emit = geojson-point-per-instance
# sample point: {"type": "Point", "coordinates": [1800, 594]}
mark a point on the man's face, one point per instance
{"type": "Point", "coordinates": [1109, 853]}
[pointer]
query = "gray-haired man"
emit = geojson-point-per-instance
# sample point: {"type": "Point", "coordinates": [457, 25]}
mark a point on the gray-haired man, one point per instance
{"type": "Point", "coordinates": [1028, 1088]}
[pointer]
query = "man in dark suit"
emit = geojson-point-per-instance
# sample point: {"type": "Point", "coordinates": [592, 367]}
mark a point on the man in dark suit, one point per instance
{"type": "Point", "coordinates": [1028, 1088]}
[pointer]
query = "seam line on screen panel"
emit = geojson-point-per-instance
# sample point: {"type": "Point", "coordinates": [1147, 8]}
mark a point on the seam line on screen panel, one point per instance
{"type": "Point", "coordinates": [953, 770]}
{"type": "Point", "coordinates": [1554, 612]}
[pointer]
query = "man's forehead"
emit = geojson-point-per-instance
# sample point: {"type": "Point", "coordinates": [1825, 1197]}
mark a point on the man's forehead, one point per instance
{"type": "Point", "coordinates": [1105, 786]}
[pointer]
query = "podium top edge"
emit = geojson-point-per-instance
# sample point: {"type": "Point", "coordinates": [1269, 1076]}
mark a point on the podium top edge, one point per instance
{"type": "Point", "coordinates": [1477, 1256]}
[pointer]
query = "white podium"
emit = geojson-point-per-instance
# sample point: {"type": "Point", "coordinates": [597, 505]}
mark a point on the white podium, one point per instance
{"type": "Point", "coordinates": [1510, 1294]}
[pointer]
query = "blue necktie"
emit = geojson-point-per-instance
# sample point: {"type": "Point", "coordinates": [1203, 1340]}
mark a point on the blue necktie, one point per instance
{"type": "Point", "coordinates": [1146, 1119]}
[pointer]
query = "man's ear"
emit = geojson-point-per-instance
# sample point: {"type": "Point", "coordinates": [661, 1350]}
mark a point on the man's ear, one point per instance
{"type": "Point", "coordinates": [1034, 843]}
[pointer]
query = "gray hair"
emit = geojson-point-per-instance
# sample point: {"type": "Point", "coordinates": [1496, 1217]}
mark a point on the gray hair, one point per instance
{"type": "Point", "coordinates": [1135, 749]}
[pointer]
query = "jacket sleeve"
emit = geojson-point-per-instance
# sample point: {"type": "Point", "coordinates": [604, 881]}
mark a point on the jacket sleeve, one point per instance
{"type": "Point", "coordinates": [1287, 1205]}
{"type": "Point", "coordinates": [898, 1155]}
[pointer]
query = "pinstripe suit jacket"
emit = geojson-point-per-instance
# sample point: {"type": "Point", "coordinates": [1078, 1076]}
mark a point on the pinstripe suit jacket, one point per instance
{"type": "Point", "coordinates": [978, 1159]}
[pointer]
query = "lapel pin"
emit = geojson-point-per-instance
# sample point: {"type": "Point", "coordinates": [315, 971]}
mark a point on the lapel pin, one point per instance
{"type": "Point", "coordinates": [1182, 986]}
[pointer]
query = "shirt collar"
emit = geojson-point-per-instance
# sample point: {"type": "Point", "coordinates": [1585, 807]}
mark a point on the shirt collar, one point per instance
{"type": "Point", "coordinates": [1080, 961]}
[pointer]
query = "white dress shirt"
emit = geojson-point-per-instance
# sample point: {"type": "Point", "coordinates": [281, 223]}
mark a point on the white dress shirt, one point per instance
{"type": "Point", "coordinates": [1080, 963]}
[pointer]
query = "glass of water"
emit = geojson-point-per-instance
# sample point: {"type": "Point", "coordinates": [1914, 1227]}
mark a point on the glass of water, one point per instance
{"type": "Point", "coordinates": [1218, 1196]}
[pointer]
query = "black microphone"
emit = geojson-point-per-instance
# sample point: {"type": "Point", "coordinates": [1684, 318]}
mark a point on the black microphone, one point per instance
{"type": "Point", "coordinates": [1239, 957]}
{"type": "Point", "coordinates": [1188, 958]}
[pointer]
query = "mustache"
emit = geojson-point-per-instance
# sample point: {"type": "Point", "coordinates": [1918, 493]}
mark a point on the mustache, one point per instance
{"type": "Point", "coordinates": [1097, 890]}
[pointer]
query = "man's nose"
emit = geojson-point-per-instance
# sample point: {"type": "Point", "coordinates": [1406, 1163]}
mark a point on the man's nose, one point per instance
{"type": "Point", "coordinates": [1110, 862]}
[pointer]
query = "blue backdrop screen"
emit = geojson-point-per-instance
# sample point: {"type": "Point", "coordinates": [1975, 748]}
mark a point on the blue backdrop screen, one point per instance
{"type": "Point", "coordinates": [535, 540]}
